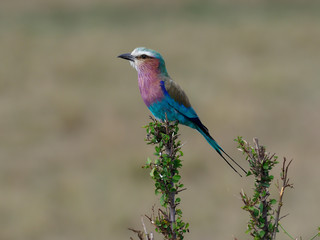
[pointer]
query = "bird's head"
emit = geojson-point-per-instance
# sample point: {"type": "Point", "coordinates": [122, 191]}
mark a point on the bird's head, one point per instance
{"type": "Point", "coordinates": [144, 59]}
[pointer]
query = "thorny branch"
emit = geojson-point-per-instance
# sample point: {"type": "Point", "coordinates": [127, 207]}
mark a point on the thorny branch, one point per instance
{"type": "Point", "coordinates": [140, 234]}
{"type": "Point", "coordinates": [264, 220]}
{"type": "Point", "coordinates": [285, 184]}
{"type": "Point", "coordinates": [164, 170]}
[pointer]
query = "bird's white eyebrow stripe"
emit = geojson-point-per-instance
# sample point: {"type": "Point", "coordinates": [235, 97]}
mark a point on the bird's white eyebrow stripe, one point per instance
{"type": "Point", "coordinates": [139, 52]}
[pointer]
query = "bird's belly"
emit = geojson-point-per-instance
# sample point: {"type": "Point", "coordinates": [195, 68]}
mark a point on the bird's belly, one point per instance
{"type": "Point", "coordinates": [162, 109]}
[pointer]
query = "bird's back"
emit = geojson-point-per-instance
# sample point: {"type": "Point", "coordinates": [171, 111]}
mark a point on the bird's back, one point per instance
{"type": "Point", "coordinates": [175, 91]}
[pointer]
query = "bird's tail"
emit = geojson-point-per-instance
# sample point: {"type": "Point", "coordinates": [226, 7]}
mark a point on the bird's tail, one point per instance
{"type": "Point", "coordinates": [204, 132]}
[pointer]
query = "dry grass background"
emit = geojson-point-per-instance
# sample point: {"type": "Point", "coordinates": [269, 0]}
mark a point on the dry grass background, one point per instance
{"type": "Point", "coordinates": [71, 141]}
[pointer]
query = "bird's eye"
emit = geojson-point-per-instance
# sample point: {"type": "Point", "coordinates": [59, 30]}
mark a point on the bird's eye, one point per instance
{"type": "Point", "coordinates": [143, 56]}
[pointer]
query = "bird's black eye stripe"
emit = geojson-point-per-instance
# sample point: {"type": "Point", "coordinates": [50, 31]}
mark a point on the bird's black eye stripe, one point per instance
{"type": "Point", "coordinates": [143, 56]}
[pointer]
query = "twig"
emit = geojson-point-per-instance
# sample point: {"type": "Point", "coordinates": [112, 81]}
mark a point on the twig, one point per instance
{"type": "Point", "coordinates": [144, 228]}
{"type": "Point", "coordinates": [183, 189]}
{"type": "Point", "coordinates": [148, 236]}
{"type": "Point", "coordinates": [286, 232]}
{"type": "Point", "coordinates": [317, 235]}
{"type": "Point", "coordinates": [138, 232]}
{"type": "Point", "coordinates": [285, 184]}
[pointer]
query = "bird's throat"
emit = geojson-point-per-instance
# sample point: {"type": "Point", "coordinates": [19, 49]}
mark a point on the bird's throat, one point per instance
{"type": "Point", "coordinates": [150, 86]}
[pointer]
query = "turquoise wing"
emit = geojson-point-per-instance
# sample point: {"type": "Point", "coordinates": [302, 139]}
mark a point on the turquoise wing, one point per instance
{"type": "Point", "coordinates": [177, 99]}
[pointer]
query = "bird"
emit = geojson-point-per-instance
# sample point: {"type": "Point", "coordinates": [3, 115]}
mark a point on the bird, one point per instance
{"type": "Point", "coordinates": [165, 98]}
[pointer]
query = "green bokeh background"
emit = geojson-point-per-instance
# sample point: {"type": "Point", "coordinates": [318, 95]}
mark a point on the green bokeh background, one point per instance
{"type": "Point", "coordinates": [71, 145]}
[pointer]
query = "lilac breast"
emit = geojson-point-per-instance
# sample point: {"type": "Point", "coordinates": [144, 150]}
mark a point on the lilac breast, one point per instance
{"type": "Point", "coordinates": [150, 88]}
{"type": "Point", "coordinates": [149, 78]}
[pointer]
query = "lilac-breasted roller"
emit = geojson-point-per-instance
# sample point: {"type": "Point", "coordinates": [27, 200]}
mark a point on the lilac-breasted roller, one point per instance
{"type": "Point", "coordinates": [164, 97]}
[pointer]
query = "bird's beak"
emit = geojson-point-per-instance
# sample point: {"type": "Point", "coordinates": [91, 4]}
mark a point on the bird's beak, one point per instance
{"type": "Point", "coordinates": [127, 56]}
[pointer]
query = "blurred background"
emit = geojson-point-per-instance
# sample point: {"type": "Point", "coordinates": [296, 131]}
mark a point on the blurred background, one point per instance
{"type": "Point", "coordinates": [72, 143]}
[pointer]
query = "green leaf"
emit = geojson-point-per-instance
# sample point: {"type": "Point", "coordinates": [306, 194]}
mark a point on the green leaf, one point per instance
{"type": "Point", "coordinates": [256, 212]}
{"type": "Point", "coordinates": [273, 201]}
{"type": "Point", "coordinates": [174, 226]}
{"type": "Point", "coordinates": [152, 172]}
{"type": "Point", "coordinates": [178, 212]}
{"type": "Point", "coordinates": [265, 166]}
{"type": "Point", "coordinates": [176, 178]}
{"type": "Point", "coordinates": [262, 233]}
{"type": "Point", "coordinates": [270, 227]}
{"type": "Point", "coordinates": [157, 149]}
{"type": "Point", "coordinates": [148, 161]}
{"type": "Point", "coordinates": [251, 208]}
{"type": "Point", "coordinates": [261, 207]}
{"type": "Point", "coordinates": [162, 200]}
{"type": "Point", "coordinates": [249, 173]}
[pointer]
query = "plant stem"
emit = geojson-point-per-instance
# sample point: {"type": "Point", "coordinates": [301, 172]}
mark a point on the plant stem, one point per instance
{"type": "Point", "coordinates": [286, 232]}
{"type": "Point", "coordinates": [172, 206]}
{"type": "Point", "coordinates": [172, 215]}
{"type": "Point", "coordinates": [285, 184]}
{"type": "Point", "coordinates": [262, 189]}
{"type": "Point", "coordinates": [165, 173]}
{"type": "Point", "coordinates": [317, 235]}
